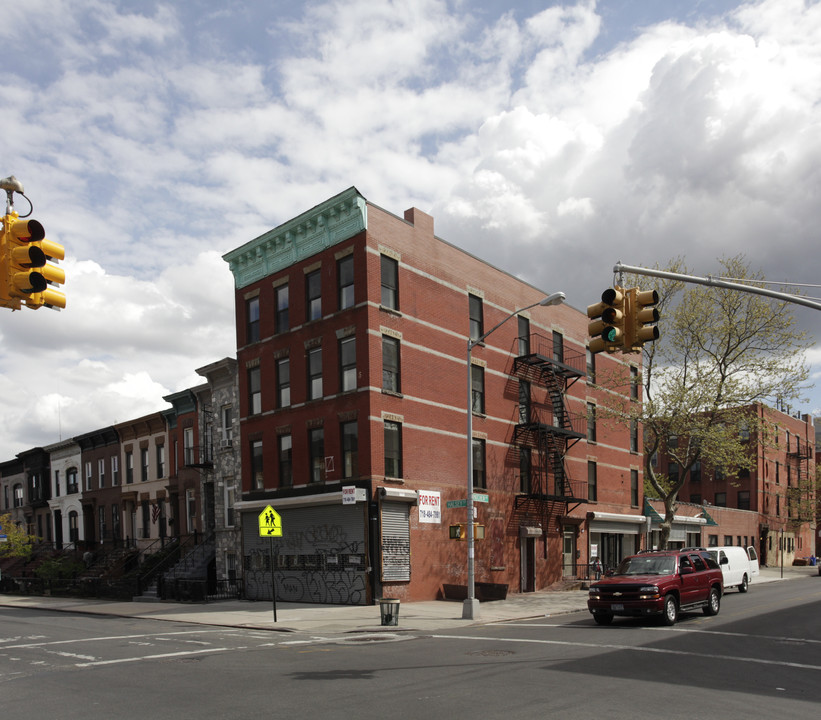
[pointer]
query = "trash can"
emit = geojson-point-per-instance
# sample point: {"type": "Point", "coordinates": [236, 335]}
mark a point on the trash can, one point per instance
{"type": "Point", "coordinates": [389, 611]}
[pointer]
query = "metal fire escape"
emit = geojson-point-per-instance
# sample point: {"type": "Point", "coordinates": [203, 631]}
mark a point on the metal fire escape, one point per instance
{"type": "Point", "coordinates": [547, 430]}
{"type": "Point", "coordinates": [799, 497]}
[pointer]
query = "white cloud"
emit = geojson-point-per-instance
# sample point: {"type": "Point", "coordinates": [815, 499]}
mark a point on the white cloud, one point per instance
{"type": "Point", "coordinates": [152, 141]}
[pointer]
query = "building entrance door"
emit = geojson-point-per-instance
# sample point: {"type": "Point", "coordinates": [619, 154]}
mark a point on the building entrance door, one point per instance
{"type": "Point", "coordinates": [569, 553]}
{"type": "Point", "coordinates": [528, 564]}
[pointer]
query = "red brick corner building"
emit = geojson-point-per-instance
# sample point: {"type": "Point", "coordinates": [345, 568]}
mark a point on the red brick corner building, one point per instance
{"type": "Point", "coordinates": [352, 331]}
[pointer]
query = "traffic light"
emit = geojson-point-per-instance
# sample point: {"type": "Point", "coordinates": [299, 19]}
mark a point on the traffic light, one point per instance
{"type": "Point", "coordinates": [606, 328]}
{"type": "Point", "coordinates": [640, 315]}
{"type": "Point", "coordinates": [26, 274]}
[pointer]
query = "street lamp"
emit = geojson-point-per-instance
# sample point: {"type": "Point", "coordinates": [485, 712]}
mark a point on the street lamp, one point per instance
{"type": "Point", "coordinates": [470, 608]}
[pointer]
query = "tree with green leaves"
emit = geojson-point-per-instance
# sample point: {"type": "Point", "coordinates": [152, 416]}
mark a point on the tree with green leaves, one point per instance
{"type": "Point", "coordinates": [720, 353]}
{"type": "Point", "coordinates": [18, 542]}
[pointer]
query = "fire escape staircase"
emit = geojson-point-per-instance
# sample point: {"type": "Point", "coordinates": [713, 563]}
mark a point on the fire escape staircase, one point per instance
{"type": "Point", "coordinates": [549, 430]}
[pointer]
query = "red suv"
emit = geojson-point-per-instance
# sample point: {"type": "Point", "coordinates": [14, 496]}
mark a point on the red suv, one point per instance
{"type": "Point", "coordinates": [658, 583]}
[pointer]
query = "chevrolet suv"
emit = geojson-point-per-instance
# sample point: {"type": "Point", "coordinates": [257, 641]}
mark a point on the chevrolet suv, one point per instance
{"type": "Point", "coordinates": [663, 583]}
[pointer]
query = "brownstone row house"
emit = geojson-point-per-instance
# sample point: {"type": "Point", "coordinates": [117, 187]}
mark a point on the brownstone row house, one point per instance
{"type": "Point", "coordinates": [772, 506]}
{"type": "Point", "coordinates": [140, 483]}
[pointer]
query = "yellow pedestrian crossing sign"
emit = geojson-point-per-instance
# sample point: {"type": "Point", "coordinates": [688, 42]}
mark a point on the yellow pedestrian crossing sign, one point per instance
{"type": "Point", "coordinates": [270, 523]}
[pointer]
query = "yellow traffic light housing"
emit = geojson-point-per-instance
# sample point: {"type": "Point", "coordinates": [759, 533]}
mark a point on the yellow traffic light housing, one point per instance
{"type": "Point", "coordinates": [25, 272]}
{"type": "Point", "coordinates": [606, 328]}
{"type": "Point", "coordinates": [640, 316]}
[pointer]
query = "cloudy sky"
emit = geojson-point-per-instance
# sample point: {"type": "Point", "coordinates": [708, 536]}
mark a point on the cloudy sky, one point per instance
{"type": "Point", "coordinates": [552, 139]}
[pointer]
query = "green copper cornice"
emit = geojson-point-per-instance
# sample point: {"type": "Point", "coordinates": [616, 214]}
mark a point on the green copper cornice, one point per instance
{"type": "Point", "coordinates": [329, 223]}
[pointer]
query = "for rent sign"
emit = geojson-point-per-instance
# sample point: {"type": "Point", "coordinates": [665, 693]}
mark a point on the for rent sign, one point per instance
{"type": "Point", "coordinates": [430, 506]}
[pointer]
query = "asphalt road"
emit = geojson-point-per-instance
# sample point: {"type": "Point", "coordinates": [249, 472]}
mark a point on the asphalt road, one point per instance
{"type": "Point", "coordinates": [760, 657]}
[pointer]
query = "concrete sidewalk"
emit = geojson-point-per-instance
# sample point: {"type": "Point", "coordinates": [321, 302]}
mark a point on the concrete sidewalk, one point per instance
{"type": "Point", "coordinates": [297, 617]}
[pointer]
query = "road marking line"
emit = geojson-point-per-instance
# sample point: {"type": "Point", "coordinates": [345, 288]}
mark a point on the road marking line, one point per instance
{"type": "Point", "coordinates": [154, 657]}
{"type": "Point", "coordinates": [610, 646]}
{"type": "Point", "coordinates": [685, 630]}
{"type": "Point", "coordinates": [114, 637]}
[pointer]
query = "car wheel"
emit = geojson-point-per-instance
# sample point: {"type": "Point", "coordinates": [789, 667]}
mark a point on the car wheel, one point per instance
{"type": "Point", "coordinates": [670, 610]}
{"type": "Point", "coordinates": [603, 618]}
{"type": "Point", "coordinates": [744, 585]}
{"type": "Point", "coordinates": [713, 603]}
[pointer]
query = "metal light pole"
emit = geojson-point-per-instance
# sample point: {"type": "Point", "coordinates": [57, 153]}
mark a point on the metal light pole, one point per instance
{"type": "Point", "coordinates": [470, 608]}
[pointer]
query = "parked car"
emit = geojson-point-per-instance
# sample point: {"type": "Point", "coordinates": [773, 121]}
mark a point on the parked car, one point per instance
{"type": "Point", "coordinates": [739, 565]}
{"type": "Point", "coordinates": [663, 583]}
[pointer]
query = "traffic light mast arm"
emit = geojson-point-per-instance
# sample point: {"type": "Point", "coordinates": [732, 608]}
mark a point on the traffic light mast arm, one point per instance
{"type": "Point", "coordinates": [717, 282]}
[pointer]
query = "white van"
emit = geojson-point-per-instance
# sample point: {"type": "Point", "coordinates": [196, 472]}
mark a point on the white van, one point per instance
{"type": "Point", "coordinates": [738, 565]}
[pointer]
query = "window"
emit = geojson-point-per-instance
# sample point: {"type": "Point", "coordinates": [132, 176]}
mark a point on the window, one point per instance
{"type": "Point", "coordinates": [524, 402]}
{"type": "Point", "coordinates": [672, 473]}
{"type": "Point", "coordinates": [188, 446]}
{"type": "Point", "coordinates": [744, 434]}
{"type": "Point", "coordinates": [257, 480]}
{"type": "Point", "coordinates": [728, 539]}
{"type": "Point", "coordinates": [160, 452]}
{"type": "Point", "coordinates": [591, 422]}
{"type": "Point", "coordinates": [634, 382]}
{"type": "Point", "coordinates": [115, 469]}
{"type": "Point", "coordinates": [743, 499]}
{"type": "Point", "coordinates": [634, 488]}
{"type": "Point", "coordinates": [390, 283]}
{"type": "Point", "coordinates": [524, 335]}
{"type": "Point", "coordinates": [393, 449]}
{"type": "Point", "coordinates": [721, 501]}
{"type": "Point", "coordinates": [390, 365]}
{"type": "Point", "coordinates": [230, 497]}
{"type": "Point", "coordinates": [525, 470]}
{"type": "Point", "coordinates": [634, 436]}
{"type": "Point", "coordinates": [281, 321]}
{"type": "Point", "coordinates": [286, 476]}
{"type": "Point", "coordinates": [73, 527]}
{"type": "Point", "coordinates": [71, 481]}
{"type": "Point", "coordinates": [591, 365]}
{"type": "Point", "coordinates": [695, 472]}
{"type": "Point", "coordinates": [672, 440]}
{"type": "Point", "coordinates": [254, 391]}
{"type": "Point", "coordinates": [347, 364]}
{"type": "Point", "coordinates": [314, 373]}
{"type": "Point", "coordinates": [592, 481]}
{"type": "Point", "coordinates": [479, 475]}
{"type": "Point", "coordinates": [129, 467]}
{"type": "Point", "coordinates": [283, 382]}
{"type": "Point", "coordinates": [191, 508]}
{"type": "Point", "coordinates": [88, 475]}
{"type": "Point", "coordinates": [350, 449]}
{"type": "Point", "coordinates": [316, 447]}
{"type": "Point", "coordinates": [56, 485]}
{"type": "Point", "coordinates": [143, 464]}
{"type": "Point", "coordinates": [101, 521]}
{"type": "Point", "coordinates": [558, 346]}
{"type": "Point", "coordinates": [252, 320]}
{"type": "Point", "coordinates": [115, 521]}
{"type": "Point", "coordinates": [476, 317]}
{"type": "Point", "coordinates": [477, 389]}
{"type": "Point", "coordinates": [695, 498]}
{"type": "Point", "coordinates": [344, 274]}
{"type": "Point", "coordinates": [101, 472]}
{"type": "Point", "coordinates": [227, 415]}
{"type": "Point", "coordinates": [313, 296]}
{"type": "Point", "coordinates": [18, 495]}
